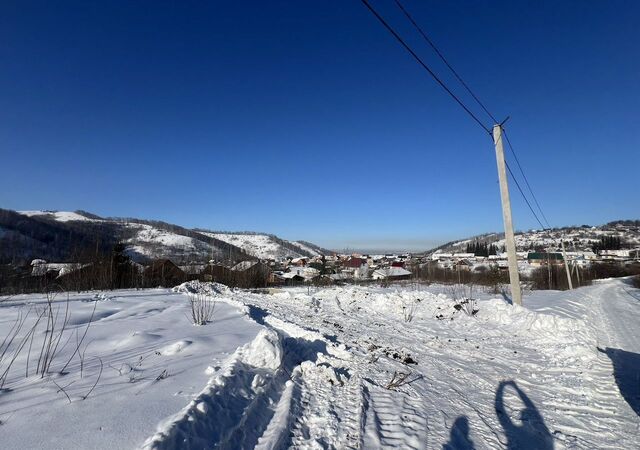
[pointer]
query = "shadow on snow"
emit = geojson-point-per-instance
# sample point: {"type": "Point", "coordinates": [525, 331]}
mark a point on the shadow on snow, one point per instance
{"type": "Point", "coordinates": [530, 431]}
{"type": "Point", "coordinates": [626, 371]}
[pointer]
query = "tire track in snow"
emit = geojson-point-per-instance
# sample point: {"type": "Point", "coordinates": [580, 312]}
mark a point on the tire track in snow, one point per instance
{"type": "Point", "coordinates": [235, 407]}
{"type": "Point", "coordinates": [294, 399]}
{"type": "Point", "coordinates": [390, 423]}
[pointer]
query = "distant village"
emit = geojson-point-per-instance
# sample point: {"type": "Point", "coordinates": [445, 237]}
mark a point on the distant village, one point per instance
{"type": "Point", "coordinates": [330, 269]}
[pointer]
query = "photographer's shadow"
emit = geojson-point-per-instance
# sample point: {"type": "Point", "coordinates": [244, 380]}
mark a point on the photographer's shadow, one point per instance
{"type": "Point", "coordinates": [532, 433]}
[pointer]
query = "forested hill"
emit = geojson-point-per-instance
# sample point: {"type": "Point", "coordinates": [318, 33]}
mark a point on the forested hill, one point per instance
{"type": "Point", "coordinates": [62, 236]}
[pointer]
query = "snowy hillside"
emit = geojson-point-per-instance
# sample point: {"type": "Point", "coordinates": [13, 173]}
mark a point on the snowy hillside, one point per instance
{"type": "Point", "coordinates": [340, 368]}
{"type": "Point", "coordinates": [311, 249]}
{"type": "Point", "coordinates": [60, 234]}
{"type": "Point", "coordinates": [266, 246]}
{"type": "Point", "coordinates": [151, 242]}
{"type": "Point", "coordinates": [581, 237]}
{"type": "Point", "coordinates": [144, 239]}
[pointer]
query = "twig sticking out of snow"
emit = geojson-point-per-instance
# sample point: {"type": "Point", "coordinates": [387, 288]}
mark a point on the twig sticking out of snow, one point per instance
{"type": "Point", "coordinates": [398, 379]}
{"type": "Point", "coordinates": [97, 380]}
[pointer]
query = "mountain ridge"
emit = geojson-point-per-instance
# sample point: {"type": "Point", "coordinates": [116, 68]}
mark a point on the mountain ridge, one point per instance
{"type": "Point", "coordinates": [68, 236]}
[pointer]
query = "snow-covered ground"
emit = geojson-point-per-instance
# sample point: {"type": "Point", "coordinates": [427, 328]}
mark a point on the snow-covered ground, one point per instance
{"type": "Point", "coordinates": [153, 362]}
{"type": "Point", "coordinates": [340, 367]}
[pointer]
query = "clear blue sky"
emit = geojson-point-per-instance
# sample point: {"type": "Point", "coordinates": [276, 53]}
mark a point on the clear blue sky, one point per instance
{"type": "Point", "coordinates": [306, 119]}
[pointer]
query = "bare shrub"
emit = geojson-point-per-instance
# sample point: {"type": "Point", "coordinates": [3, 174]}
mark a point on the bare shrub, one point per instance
{"type": "Point", "coordinates": [7, 357]}
{"type": "Point", "coordinates": [51, 341]}
{"type": "Point", "coordinates": [398, 379]}
{"type": "Point", "coordinates": [468, 306]}
{"type": "Point", "coordinates": [56, 326]}
{"type": "Point", "coordinates": [85, 396]}
{"type": "Point", "coordinates": [462, 295]}
{"type": "Point", "coordinates": [408, 312]}
{"type": "Point", "coordinates": [202, 308]}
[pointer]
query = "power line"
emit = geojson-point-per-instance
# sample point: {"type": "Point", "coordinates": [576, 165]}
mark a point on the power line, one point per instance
{"type": "Point", "coordinates": [433, 46]}
{"type": "Point", "coordinates": [441, 83]}
{"type": "Point", "coordinates": [486, 110]}
{"type": "Point", "coordinates": [513, 177]}
{"type": "Point", "coordinates": [525, 179]}
{"type": "Point", "coordinates": [419, 60]}
{"type": "Point", "coordinates": [523, 196]}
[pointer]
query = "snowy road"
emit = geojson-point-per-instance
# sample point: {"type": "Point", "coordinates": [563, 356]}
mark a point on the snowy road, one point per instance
{"type": "Point", "coordinates": [620, 308]}
{"type": "Point", "coordinates": [507, 377]}
{"type": "Point", "coordinates": [619, 340]}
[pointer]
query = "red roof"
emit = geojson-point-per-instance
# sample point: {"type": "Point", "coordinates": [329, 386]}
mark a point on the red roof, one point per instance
{"type": "Point", "coordinates": [354, 262]}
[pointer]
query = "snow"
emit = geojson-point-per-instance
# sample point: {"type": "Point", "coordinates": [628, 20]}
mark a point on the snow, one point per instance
{"type": "Point", "coordinates": [306, 248]}
{"type": "Point", "coordinates": [60, 216]}
{"type": "Point", "coordinates": [313, 368]}
{"type": "Point", "coordinates": [41, 267]}
{"type": "Point", "coordinates": [390, 272]}
{"type": "Point", "coordinates": [260, 246]}
{"type": "Point", "coordinates": [137, 335]}
{"type": "Point", "coordinates": [154, 242]}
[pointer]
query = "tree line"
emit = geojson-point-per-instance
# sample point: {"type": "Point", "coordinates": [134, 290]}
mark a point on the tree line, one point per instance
{"type": "Point", "coordinates": [608, 243]}
{"type": "Point", "coordinates": [481, 249]}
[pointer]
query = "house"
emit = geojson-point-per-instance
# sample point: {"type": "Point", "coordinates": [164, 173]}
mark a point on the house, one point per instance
{"type": "Point", "coordinates": [41, 268]}
{"type": "Point", "coordinates": [391, 273]}
{"type": "Point", "coordinates": [299, 261]}
{"type": "Point", "coordinates": [275, 279]}
{"type": "Point", "coordinates": [441, 256]}
{"type": "Point", "coordinates": [538, 259]}
{"type": "Point", "coordinates": [615, 255]}
{"type": "Point", "coordinates": [245, 265]}
{"type": "Point", "coordinates": [341, 276]}
{"type": "Point", "coordinates": [163, 272]}
{"type": "Point", "coordinates": [193, 268]}
{"type": "Point", "coordinates": [463, 265]}
{"type": "Point", "coordinates": [251, 273]}
{"type": "Point", "coordinates": [307, 273]}
{"type": "Point", "coordinates": [354, 262]}
{"type": "Point", "coordinates": [292, 278]}
{"type": "Point", "coordinates": [464, 255]}
{"type": "Point", "coordinates": [216, 272]}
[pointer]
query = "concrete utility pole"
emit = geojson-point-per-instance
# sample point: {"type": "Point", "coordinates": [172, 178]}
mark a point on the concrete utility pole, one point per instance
{"type": "Point", "coordinates": [566, 263]}
{"type": "Point", "coordinates": [514, 277]}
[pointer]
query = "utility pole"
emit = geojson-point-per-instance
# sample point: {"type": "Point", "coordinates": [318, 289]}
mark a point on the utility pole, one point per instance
{"type": "Point", "coordinates": [566, 263]}
{"type": "Point", "coordinates": [514, 277]}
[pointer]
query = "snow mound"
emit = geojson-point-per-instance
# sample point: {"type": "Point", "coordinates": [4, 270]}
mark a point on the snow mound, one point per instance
{"type": "Point", "coordinates": [265, 351]}
{"type": "Point", "coordinates": [571, 339]}
{"type": "Point", "coordinates": [199, 287]}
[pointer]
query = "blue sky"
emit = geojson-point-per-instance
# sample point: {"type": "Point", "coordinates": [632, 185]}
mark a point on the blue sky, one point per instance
{"type": "Point", "coordinates": [306, 119]}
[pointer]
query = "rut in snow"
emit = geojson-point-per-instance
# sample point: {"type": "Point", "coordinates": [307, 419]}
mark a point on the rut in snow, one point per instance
{"type": "Point", "coordinates": [280, 400]}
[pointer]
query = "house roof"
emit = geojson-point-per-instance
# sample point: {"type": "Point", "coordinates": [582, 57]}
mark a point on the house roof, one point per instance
{"type": "Point", "coordinates": [544, 255]}
{"type": "Point", "coordinates": [244, 265]}
{"type": "Point", "coordinates": [392, 272]}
